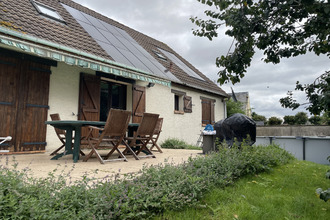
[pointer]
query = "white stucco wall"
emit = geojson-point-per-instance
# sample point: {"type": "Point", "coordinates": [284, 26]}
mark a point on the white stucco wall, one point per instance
{"type": "Point", "coordinates": [187, 126]}
{"type": "Point", "coordinates": [64, 96]}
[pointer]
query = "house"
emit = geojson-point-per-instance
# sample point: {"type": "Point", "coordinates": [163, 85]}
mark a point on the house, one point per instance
{"type": "Point", "coordinates": [57, 56]}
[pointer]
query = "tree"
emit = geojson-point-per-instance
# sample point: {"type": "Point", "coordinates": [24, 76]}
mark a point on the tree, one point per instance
{"type": "Point", "coordinates": [326, 118]}
{"type": "Point", "coordinates": [315, 120]}
{"type": "Point", "coordinates": [257, 117]}
{"type": "Point", "coordinates": [318, 94]}
{"type": "Point", "coordinates": [274, 121]}
{"type": "Point", "coordinates": [234, 107]}
{"type": "Point", "coordinates": [289, 119]}
{"type": "Point", "coordinates": [281, 29]}
{"type": "Point", "coordinates": [301, 118]}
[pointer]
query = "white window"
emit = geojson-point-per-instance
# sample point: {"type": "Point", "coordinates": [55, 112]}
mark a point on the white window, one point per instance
{"type": "Point", "coordinates": [47, 11]}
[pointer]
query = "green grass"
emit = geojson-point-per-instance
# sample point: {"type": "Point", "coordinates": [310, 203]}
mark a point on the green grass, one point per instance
{"type": "Point", "coordinates": [287, 192]}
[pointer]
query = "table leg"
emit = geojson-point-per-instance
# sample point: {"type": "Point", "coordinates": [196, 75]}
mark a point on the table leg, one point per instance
{"type": "Point", "coordinates": [68, 142]}
{"type": "Point", "coordinates": [76, 144]}
{"type": "Point", "coordinates": [68, 145]}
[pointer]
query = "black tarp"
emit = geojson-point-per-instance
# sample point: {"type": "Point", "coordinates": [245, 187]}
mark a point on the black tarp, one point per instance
{"type": "Point", "coordinates": [237, 126]}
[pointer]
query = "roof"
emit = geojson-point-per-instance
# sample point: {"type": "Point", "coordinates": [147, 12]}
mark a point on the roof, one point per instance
{"type": "Point", "coordinates": [22, 17]}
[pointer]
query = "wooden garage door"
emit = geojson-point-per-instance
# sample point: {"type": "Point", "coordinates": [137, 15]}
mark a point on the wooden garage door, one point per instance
{"type": "Point", "coordinates": [24, 91]}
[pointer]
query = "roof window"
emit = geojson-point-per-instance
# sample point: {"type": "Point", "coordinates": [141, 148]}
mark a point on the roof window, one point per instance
{"type": "Point", "coordinates": [159, 55]}
{"type": "Point", "coordinates": [47, 11]}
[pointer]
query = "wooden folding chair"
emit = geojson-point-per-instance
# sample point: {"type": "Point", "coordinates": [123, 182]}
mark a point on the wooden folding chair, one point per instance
{"type": "Point", "coordinates": [143, 135]}
{"type": "Point", "coordinates": [113, 133]}
{"type": "Point", "coordinates": [60, 134]}
{"type": "Point", "coordinates": [155, 136]}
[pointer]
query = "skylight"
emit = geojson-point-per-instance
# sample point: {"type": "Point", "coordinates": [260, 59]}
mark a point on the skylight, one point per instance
{"type": "Point", "coordinates": [161, 56]}
{"type": "Point", "coordinates": [47, 11]}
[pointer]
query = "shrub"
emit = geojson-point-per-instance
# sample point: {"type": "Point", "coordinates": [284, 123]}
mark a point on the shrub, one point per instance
{"type": "Point", "coordinates": [274, 121]}
{"type": "Point", "coordinates": [315, 120]}
{"type": "Point", "coordinates": [136, 196]}
{"type": "Point", "coordinates": [289, 119]}
{"type": "Point", "coordinates": [234, 107]}
{"type": "Point", "coordinates": [301, 118]}
{"type": "Point", "coordinates": [257, 117]}
{"type": "Point", "coordinates": [173, 143]}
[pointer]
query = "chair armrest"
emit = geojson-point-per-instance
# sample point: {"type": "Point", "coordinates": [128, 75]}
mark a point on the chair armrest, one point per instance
{"type": "Point", "coordinates": [97, 128]}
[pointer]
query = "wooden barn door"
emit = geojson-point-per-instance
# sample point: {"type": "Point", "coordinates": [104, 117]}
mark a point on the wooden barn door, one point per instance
{"type": "Point", "coordinates": [24, 91]}
{"type": "Point", "coordinates": [139, 103]}
{"type": "Point", "coordinates": [89, 100]}
{"type": "Point", "coordinates": [9, 88]}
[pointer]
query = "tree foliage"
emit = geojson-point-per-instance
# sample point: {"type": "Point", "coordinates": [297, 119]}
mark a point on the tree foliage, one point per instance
{"type": "Point", "coordinates": [274, 121]}
{"type": "Point", "coordinates": [289, 119]}
{"type": "Point", "coordinates": [234, 107]}
{"type": "Point", "coordinates": [315, 120]}
{"type": "Point", "coordinates": [301, 118]}
{"type": "Point", "coordinates": [318, 94]}
{"type": "Point", "coordinates": [279, 28]}
{"type": "Point", "coordinates": [257, 117]}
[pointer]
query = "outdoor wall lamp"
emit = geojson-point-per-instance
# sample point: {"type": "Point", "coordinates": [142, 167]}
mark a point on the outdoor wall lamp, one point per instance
{"type": "Point", "coordinates": [150, 85]}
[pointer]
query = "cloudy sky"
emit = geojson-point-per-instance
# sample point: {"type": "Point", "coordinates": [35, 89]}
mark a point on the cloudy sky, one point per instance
{"type": "Point", "coordinates": [168, 21]}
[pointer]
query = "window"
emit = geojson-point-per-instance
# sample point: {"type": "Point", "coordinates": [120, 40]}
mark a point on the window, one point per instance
{"type": "Point", "coordinates": [176, 103]}
{"type": "Point", "coordinates": [47, 11]}
{"type": "Point", "coordinates": [207, 111]}
{"type": "Point", "coordinates": [113, 95]}
{"type": "Point", "coordinates": [159, 55]}
{"type": "Point", "coordinates": [182, 102]}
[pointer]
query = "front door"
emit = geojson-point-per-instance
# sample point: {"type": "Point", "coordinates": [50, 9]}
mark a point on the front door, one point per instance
{"type": "Point", "coordinates": [24, 91]}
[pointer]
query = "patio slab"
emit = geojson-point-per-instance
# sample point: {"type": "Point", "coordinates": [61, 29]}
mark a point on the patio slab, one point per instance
{"type": "Point", "coordinates": [40, 165]}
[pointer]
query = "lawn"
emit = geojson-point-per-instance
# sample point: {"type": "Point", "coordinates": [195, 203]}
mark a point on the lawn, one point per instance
{"type": "Point", "coordinates": [286, 192]}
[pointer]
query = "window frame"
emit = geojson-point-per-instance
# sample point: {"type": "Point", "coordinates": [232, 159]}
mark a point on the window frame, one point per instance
{"type": "Point", "coordinates": [39, 6]}
{"type": "Point", "coordinates": [178, 101]}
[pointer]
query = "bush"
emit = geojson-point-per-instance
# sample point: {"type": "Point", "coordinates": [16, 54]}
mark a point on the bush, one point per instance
{"type": "Point", "coordinates": [173, 143]}
{"type": "Point", "coordinates": [234, 107]}
{"type": "Point", "coordinates": [289, 119]}
{"type": "Point", "coordinates": [257, 117]}
{"type": "Point", "coordinates": [274, 121]}
{"type": "Point", "coordinates": [301, 118]}
{"type": "Point", "coordinates": [315, 120]}
{"type": "Point", "coordinates": [136, 196]}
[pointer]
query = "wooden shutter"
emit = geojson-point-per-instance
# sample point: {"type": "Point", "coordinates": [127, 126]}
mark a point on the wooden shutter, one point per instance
{"type": "Point", "coordinates": [139, 103]}
{"type": "Point", "coordinates": [89, 99]}
{"type": "Point", "coordinates": [187, 102]}
{"type": "Point", "coordinates": [207, 112]}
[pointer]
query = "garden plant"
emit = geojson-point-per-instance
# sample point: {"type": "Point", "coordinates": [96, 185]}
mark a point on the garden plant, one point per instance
{"type": "Point", "coordinates": [135, 196]}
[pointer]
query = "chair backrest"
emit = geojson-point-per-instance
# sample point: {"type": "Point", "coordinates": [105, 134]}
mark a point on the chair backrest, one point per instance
{"type": "Point", "coordinates": [117, 123]}
{"type": "Point", "coordinates": [56, 117]}
{"type": "Point", "coordinates": [147, 125]}
{"type": "Point", "coordinates": [159, 125]}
